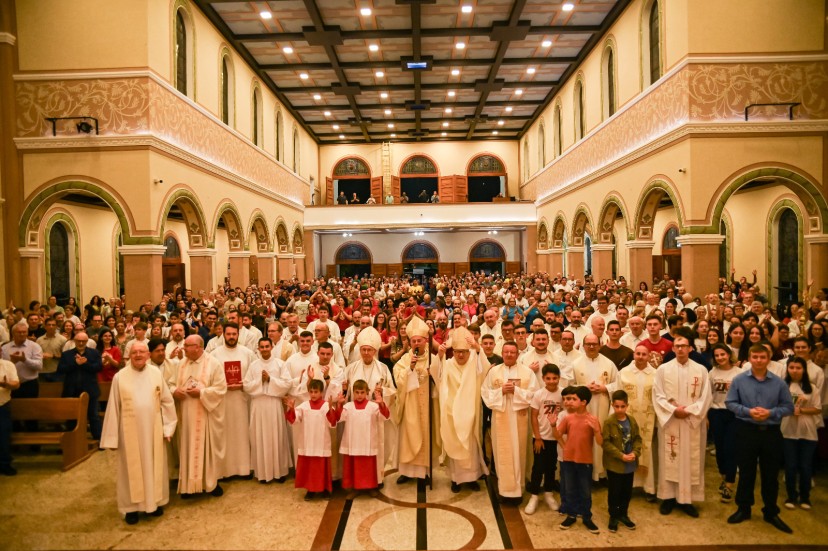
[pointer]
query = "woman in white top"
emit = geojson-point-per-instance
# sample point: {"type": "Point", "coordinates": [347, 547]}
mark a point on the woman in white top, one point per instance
{"type": "Point", "coordinates": [800, 433]}
{"type": "Point", "coordinates": [722, 420]}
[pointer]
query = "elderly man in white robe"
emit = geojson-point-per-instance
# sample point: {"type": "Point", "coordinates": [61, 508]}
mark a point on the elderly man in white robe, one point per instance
{"type": "Point", "coordinates": [507, 390]}
{"type": "Point", "coordinates": [267, 382]}
{"type": "Point", "coordinates": [681, 397]}
{"type": "Point", "coordinates": [282, 349]}
{"type": "Point", "coordinates": [595, 372]}
{"type": "Point", "coordinates": [413, 407]}
{"type": "Point", "coordinates": [369, 369]}
{"type": "Point", "coordinates": [236, 360]}
{"type": "Point", "coordinates": [460, 409]}
{"type": "Point", "coordinates": [139, 417]}
{"type": "Point", "coordinates": [322, 334]}
{"type": "Point", "coordinates": [200, 392]}
{"type": "Point", "coordinates": [565, 358]}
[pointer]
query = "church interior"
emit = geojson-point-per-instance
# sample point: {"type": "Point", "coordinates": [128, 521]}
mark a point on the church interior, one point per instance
{"type": "Point", "coordinates": [148, 146]}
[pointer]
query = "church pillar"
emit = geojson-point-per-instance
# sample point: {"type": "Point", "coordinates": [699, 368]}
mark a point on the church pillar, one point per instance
{"type": "Point", "coordinates": [641, 263]}
{"type": "Point", "coordinates": [543, 260]}
{"type": "Point", "coordinates": [299, 266]}
{"type": "Point", "coordinates": [239, 268]}
{"type": "Point", "coordinates": [266, 265]}
{"type": "Point", "coordinates": [817, 255]}
{"type": "Point", "coordinates": [307, 243]}
{"type": "Point", "coordinates": [556, 262]}
{"type": "Point", "coordinates": [700, 262]}
{"type": "Point", "coordinates": [602, 261]}
{"type": "Point", "coordinates": [33, 272]}
{"type": "Point", "coordinates": [284, 267]}
{"type": "Point", "coordinates": [201, 269]}
{"type": "Point", "coordinates": [532, 258]}
{"type": "Point", "coordinates": [143, 278]}
{"type": "Point", "coordinates": [575, 262]}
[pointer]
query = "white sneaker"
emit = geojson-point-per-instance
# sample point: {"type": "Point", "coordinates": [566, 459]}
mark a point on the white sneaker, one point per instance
{"type": "Point", "coordinates": [532, 506]}
{"type": "Point", "coordinates": [550, 501]}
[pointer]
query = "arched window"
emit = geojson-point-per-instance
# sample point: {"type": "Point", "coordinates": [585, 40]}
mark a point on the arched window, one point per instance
{"type": "Point", "coordinates": [652, 48]}
{"type": "Point", "coordinates": [173, 251]}
{"type": "Point", "coordinates": [256, 123]}
{"type": "Point", "coordinates": [608, 78]}
{"type": "Point", "coordinates": [487, 257]}
{"type": "Point", "coordinates": [787, 252]}
{"type": "Point", "coordinates": [279, 149]}
{"type": "Point", "coordinates": [353, 260]}
{"type": "Point", "coordinates": [558, 131]}
{"type": "Point", "coordinates": [541, 146]}
{"type": "Point", "coordinates": [296, 151]}
{"type": "Point", "coordinates": [670, 242]}
{"type": "Point", "coordinates": [59, 274]}
{"type": "Point", "coordinates": [579, 110]}
{"type": "Point", "coordinates": [183, 65]}
{"type": "Point", "coordinates": [420, 253]}
{"type": "Point", "coordinates": [227, 92]}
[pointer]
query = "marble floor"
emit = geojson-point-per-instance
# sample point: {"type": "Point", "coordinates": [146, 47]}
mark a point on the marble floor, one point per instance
{"type": "Point", "coordinates": [43, 508]}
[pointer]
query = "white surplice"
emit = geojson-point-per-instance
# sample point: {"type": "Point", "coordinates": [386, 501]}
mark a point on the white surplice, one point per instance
{"type": "Point", "coordinates": [598, 370]}
{"type": "Point", "coordinates": [236, 414]}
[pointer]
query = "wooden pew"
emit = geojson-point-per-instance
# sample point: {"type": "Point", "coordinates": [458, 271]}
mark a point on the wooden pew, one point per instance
{"type": "Point", "coordinates": [73, 443]}
{"type": "Point", "coordinates": [54, 390]}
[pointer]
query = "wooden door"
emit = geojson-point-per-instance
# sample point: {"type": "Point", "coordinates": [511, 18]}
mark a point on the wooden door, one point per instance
{"type": "Point", "coordinates": [172, 274]}
{"type": "Point", "coordinates": [379, 269]}
{"type": "Point", "coordinates": [461, 189]}
{"type": "Point", "coordinates": [330, 271]}
{"type": "Point", "coordinates": [329, 198]}
{"type": "Point", "coordinates": [445, 269]}
{"type": "Point", "coordinates": [376, 189]}
{"type": "Point", "coordinates": [253, 267]}
{"type": "Point", "coordinates": [394, 269]}
{"type": "Point", "coordinates": [395, 188]}
{"type": "Point", "coordinates": [513, 267]}
{"type": "Point", "coordinates": [446, 189]}
{"type": "Point", "coordinates": [461, 267]}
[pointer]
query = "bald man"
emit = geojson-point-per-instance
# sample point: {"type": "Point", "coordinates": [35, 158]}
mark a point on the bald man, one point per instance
{"type": "Point", "coordinates": [80, 367]}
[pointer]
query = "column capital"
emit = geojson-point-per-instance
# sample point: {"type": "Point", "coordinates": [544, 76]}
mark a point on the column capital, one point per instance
{"type": "Point", "coordinates": [640, 244]}
{"type": "Point", "coordinates": [556, 251]}
{"type": "Point", "coordinates": [299, 256]}
{"type": "Point", "coordinates": [8, 38]}
{"type": "Point", "coordinates": [284, 255]}
{"type": "Point", "coordinates": [575, 250]}
{"type": "Point", "coordinates": [543, 251]}
{"type": "Point", "coordinates": [700, 239]}
{"type": "Point", "coordinates": [238, 254]}
{"type": "Point", "coordinates": [603, 247]}
{"type": "Point", "coordinates": [202, 252]}
{"type": "Point", "coordinates": [813, 238]}
{"type": "Point", "coordinates": [136, 250]}
{"type": "Point", "coordinates": [266, 255]}
{"type": "Point", "coordinates": [30, 252]}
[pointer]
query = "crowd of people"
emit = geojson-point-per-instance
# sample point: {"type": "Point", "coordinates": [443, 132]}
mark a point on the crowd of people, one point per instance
{"type": "Point", "coordinates": [355, 199]}
{"type": "Point", "coordinates": [339, 382]}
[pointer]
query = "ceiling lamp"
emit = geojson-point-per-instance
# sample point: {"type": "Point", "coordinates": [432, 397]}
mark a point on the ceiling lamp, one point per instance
{"type": "Point", "coordinates": [317, 97]}
{"type": "Point", "coordinates": [494, 132]}
{"type": "Point", "coordinates": [447, 110]}
{"type": "Point", "coordinates": [342, 136]}
{"type": "Point", "coordinates": [384, 95]}
{"type": "Point", "coordinates": [445, 124]}
{"type": "Point", "coordinates": [387, 111]}
{"type": "Point", "coordinates": [393, 135]}
{"type": "Point", "coordinates": [390, 125]}
{"type": "Point", "coordinates": [451, 93]}
{"type": "Point", "coordinates": [327, 113]}
{"type": "Point", "coordinates": [530, 70]}
{"type": "Point", "coordinates": [569, 6]}
{"type": "Point", "coordinates": [444, 134]}
{"type": "Point", "coordinates": [455, 72]}
{"type": "Point", "coordinates": [460, 45]}
{"type": "Point", "coordinates": [546, 43]}
{"type": "Point", "coordinates": [336, 127]}
{"type": "Point", "coordinates": [379, 74]}
{"type": "Point", "coordinates": [365, 11]}
{"type": "Point", "coordinates": [303, 76]}
{"type": "Point", "coordinates": [509, 109]}
{"type": "Point", "coordinates": [466, 9]}
{"type": "Point", "coordinates": [266, 15]}
{"type": "Point", "coordinates": [501, 123]}
{"type": "Point", "coordinates": [287, 50]}
{"type": "Point", "coordinates": [519, 92]}
{"type": "Point", "coordinates": [374, 47]}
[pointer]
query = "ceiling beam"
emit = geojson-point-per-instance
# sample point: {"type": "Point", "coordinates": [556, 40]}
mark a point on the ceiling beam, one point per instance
{"type": "Point", "coordinates": [392, 64]}
{"type": "Point", "coordinates": [430, 86]}
{"type": "Point", "coordinates": [434, 105]}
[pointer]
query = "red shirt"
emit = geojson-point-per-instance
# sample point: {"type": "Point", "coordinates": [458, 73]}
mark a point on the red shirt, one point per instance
{"type": "Point", "coordinates": [579, 437]}
{"type": "Point", "coordinates": [663, 346]}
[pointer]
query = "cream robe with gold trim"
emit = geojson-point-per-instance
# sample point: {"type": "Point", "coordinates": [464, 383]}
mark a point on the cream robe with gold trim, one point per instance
{"type": "Point", "coordinates": [598, 370]}
{"type": "Point", "coordinates": [411, 414]}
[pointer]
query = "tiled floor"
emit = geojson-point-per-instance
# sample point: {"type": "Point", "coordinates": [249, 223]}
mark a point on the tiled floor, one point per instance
{"type": "Point", "coordinates": [43, 508]}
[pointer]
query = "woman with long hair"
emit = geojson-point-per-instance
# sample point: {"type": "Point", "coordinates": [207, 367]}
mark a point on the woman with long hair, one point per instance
{"type": "Point", "coordinates": [799, 432]}
{"type": "Point", "coordinates": [722, 420]}
{"type": "Point", "coordinates": [110, 355]}
{"type": "Point", "coordinates": [739, 345]}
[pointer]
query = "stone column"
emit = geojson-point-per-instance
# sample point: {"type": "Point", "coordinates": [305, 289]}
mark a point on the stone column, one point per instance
{"type": "Point", "coordinates": [308, 251]}
{"type": "Point", "coordinates": [202, 268]}
{"type": "Point", "coordinates": [33, 271]}
{"type": "Point", "coordinates": [641, 263]}
{"type": "Point", "coordinates": [543, 260]}
{"type": "Point", "coordinates": [532, 258]}
{"type": "Point", "coordinates": [816, 251]}
{"type": "Point", "coordinates": [575, 262]}
{"type": "Point", "coordinates": [700, 262]}
{"type": "Point", "coordinates": [555, 262]}
{"type": "Point", "coordinates": [266, 263]}
{"type": "Point", "coordinates": [602, 261]}
{"type": "Point", "coordinates": [299, 266]}
{"type": "Point", "coordinates": [143, 279]}
{"type": "Point", "coordinates": [284, 266]}
{"type": "Point", "coordinates": [239, 268]}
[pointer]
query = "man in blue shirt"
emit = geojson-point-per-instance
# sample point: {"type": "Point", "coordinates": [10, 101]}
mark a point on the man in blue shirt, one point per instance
{"type": "Point", "coordinates": [760, 400]}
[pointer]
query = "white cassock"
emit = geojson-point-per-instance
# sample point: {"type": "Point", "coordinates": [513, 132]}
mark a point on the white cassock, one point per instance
{"type": "Point", "coordinates": [374, 374]}
{"type": "Point", "coordinates": [297, 365]}
{"type": "Point", "coordinates": [681, 442]}
{"type": "Point", "coordinates": [333, 329]}
{"type": "Point", "coordinates": [510, 424]}
{"type": "Point", "coordinates": [338, 356]}
{"type": "Point", "coordinates": [236, 413]}
{"type": "Point", "coordinates": [638, 384]}
{"type": "Point", "coordinates": [599, 370]}
{"type": "Point", "coordinates": [282, 350]}
{"type": "Point", "coordinates": [201, 425]}
{"type": "Point", "coordinates": [631, 341]}
{"type": "Point", "coordinates": [565, 362]}
{"type": "Point", "coordinates": [169, 371]}
{"type": "Point", "coordinates": [140, 414]}
{"type": "Point", "coordinates": [247, 339]}
{"type": "Point", "coordinates": [461, 416]}
{"type": "Point", "coordinates": [269, 443]}
{"type": "Point", "coordinates": [579, 333]}
{"type": "Point", "coordinates": [532, 356]}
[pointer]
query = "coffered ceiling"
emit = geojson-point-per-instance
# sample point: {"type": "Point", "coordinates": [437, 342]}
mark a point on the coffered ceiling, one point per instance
{"type": "Point", "coordinates": [357, 71]}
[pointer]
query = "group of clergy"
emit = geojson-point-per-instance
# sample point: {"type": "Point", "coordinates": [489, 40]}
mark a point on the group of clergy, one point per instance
{"type": "Point", "coordinates": [222, 413]}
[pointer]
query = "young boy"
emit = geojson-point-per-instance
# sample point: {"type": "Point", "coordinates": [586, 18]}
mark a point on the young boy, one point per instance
{"type": "Point", "coordinates": [580, 428]}
{"type": "Point", "coordinates": [622, 448]}
{"type": "Point", "coordinates": [313, 440]}
{"type": "Point", "coordinates": [545, 401]}
{"type": "Point", "coordinates": [360, 438]}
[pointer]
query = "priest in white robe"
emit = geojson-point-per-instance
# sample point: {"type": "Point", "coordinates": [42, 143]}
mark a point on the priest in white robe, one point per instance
{"type": "Point", "coordinates": [282, 349]}
{"type": "Point", "coordinates": [595, 372]}
{"type": "Point", "coordinates": [169, 370]}
{"type": "Point", "coordinates": [140, 415]}
{"type": "Point", "coordinates": [565, 358]}
{"type": "Point", "coordinates": [236, 360]}
{"type": "Point", "coordinates": [460, 408]}
{"type": "Point", "coordinates": [322, 334]}
{"type": "Point", "coordinates": [681, 397]}
{"type": "Point", "coordinates": [298, 364]}
{"type": "Point", "coordinates": [267, 382]}
{"type": "Point", "coordinates": [507, 390]}
{"type": "Point", "coordinates": [200, 392]}
{"type": "Point", "coordinates": [539, 355]}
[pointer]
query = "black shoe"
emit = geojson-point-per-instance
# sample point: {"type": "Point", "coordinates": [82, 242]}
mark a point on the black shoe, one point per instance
{"type": "Point", "coordinates": [264, 482]}
{"type": "Point", "coordinates": [740, 515]}
{"type": "Point", "coordinates": [8, 471]}
{"type": "Point", "coordinates": [308, 496]}
{"type": "Point", "coordinates": [625, 520]}
{"type": "Point", "coordinates": [568, 523]}
{"type": "Point", "coordinates": [403, 479]}
{"type": "Point", "coordinates": [158, 512]}
{"type": "Point", "coordinates": [777, 523]}
{"type": "Point", "coordinates": [613, 525]}
{"type": "Point", "coordinates": [689, 510]}
{"type": "Point", "coordinates": [131, 518]}
{"type": "Point", "coordinates": [667, 506]}
{"type": "Point", "coordinates": [280, 480]}
{"type": "Point", "coordinates": [186, 496]}
{"type": "Point", "coordinates": [455, 487]}
{"type": "Point", "coordinates": [591, 526]}
{"type": "Point", "coordinates": [651, 498]}
{"type": "Point", "coordinates": [217, 491]}
{"type": "Point", "coordinates": [326, 495]}
{"type": "Point", "coordinates": [473, 486]}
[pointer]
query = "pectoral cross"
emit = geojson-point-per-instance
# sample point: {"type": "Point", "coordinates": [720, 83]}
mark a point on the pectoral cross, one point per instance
{"type": "Point", "coordinates": [672, 443]}
{"type": "Point", "coordinates": [695, 385]}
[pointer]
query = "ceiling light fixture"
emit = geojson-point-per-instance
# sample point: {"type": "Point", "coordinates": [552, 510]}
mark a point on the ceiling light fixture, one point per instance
{"type": "Point", "coordinates": [509, 109]}
{"type": "Point", "coordinates": [317, 97]}
{"type": "Point", "coordinates": [460, 45]}
{"type": "Point", "coordinates": [451, 93]}
{"type": "Point", "coordinates": [379, 74]}
{"type": "Point", "coordinates": [303, 76]}
{"type": "Point", "coordinates": [365, 11]}
{"type": "Point", "coordinates": [374, 47]}
{"type": "Point", "coordinates": [287, 50]}
{"type": "Point", "coordinates": [387, 111]}
{"type": "Point", "coordinates": [530, 70]}
{"type": "Point", "coordinates": [447, 110]}
{"type": "Point", "coordinates": [466, 9]}
{"type": "Point", "coordinates": [443, 134]}
{"type": "Point", "coordinates": [327, 113]}
{"type": "Point", "coordinates": [390, 125]}
{"type": "Point", "coordinates": [336, 127]}
{"type": "Point", "coordinates": [445, 125]}
{"type": "Point", "coordinates": [384, 95]}
{"type": "Point", "coordinates": [393, 135]}
{"type": "Point", "coordinates": [494, 132]}
{"type": "Point", "coordinates": [342, 136]}
{"type": "Point", "coordinates": [519, 91]}
{"type": "Point", "coordinates": [266, 15]}
{"type": "Point", "coordinates": [455, 72]}
{"type": "Point", "coordinates": [546, 43]}
{"type": "Point", "coordinates": [569, 6]}
{"type": "Point", "coordinates": [501, 123]}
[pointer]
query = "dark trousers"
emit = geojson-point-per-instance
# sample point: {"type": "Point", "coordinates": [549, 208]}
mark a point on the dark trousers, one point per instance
{"type": "Point", "coordinates": [723, 426]}
{"type": "Point", "coordinates": [760, 444]}
{"type": "Point", "coordinates": [29, 389]}
{"type": "Point", "coordinates": [53, 377]}
{"type": "Point", "coordinates": [576, 489]}
{"type": "Point", "coordinates": [543, 468]}
{"type": "Point", "coordinates": [799, 462]}
{"type": "Point", "coordinates": [620, 487]}
{"type": "Point", "coordinates": [93, 417]}
{"type": "Point", "coordinates": [5, 435]}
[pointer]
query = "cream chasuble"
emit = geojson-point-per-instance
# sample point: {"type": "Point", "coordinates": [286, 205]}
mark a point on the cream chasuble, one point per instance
{"type": "Point", "coordinates": [411, 413]}
{"type": "Point", "coordinates": [598, 370]}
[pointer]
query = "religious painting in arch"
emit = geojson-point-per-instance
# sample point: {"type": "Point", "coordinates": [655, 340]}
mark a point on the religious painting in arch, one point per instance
{"type": "Point", "coordinates": [172, 268]}
{"type": "Point", "coordinates": [420, 260]}
{"type": "Point", "coordinates": [59, 261]}
{"type": "Point", "coordinates": [786, 280]}
{"type": "Point", "coordinates": [352, 176]}
{"type": "Point", "coordinates": [353, 260]}
{"type": "Point", "coordinates": [419, 179]}
{"type": "Point", "coordinates": [487, 257]}
{"type": "Point", "coordinates": [486, 180]}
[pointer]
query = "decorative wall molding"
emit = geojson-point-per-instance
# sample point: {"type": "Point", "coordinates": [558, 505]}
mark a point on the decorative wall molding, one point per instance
{"type": "Point", "coordinates": [238, 254]}
{"type": "Point", "coordinates": [700, 239]}
{"type": "Point", "coordinates": [202, 252]}
{"type": "Point", "coordinates": [135, 250]}
{"type": "Point", "coordinates": [30, 252]}
{"type": "Point", "coordinates": [8, 38]}
{"type": "Point", "coordinates": [640, 244]}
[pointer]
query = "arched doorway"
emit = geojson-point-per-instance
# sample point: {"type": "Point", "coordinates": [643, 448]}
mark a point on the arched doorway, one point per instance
{"type": "Point", "coordinates": [670, 261]}
{"type": "Point", "coordinates": [420, 259]}
{"type": "Point", "coordinates": [59, 260]}
{"type": "Point", "coordinates": [172, 268]}
{"type": "Point", "coordinates": [487, 257]}
{"type": "Point", "coordinates": [786, 266]}
{"type": "Point", "coordinates": [486, 179]}
{"type": "Point", "coordinates": [419, 179]}
{"type": "Point", "coordinates": [353, 260]}
{"type": "Point", "coordinates": [352, 175]}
